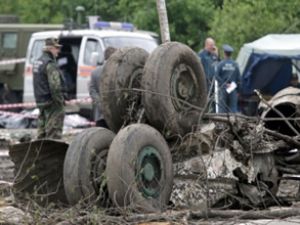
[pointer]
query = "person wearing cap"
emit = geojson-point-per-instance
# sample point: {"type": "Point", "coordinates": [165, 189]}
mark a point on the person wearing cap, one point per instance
{"type": "Point", "coordinates": [228, 76]}
{"type": "Point", "coordinates": [209, 59]}
{"type": "Point", "coordinates": [48, 93]}
{"type": "Point", "coordinates": [95, 91]}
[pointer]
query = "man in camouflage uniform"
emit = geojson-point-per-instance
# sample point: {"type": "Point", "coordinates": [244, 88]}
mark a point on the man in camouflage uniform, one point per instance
{"type": "Point", "coordinates": [47, 83]}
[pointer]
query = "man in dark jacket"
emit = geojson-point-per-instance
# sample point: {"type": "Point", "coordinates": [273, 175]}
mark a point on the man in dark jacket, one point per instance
{"type": "Point", "coordinates": [228, 76]}
{"type": "Point", "coordinates": [95, 92]}
{"type": "Point", "coordinates": [209, 59]}
{"type": "Point", "coordinates": [47, 84]}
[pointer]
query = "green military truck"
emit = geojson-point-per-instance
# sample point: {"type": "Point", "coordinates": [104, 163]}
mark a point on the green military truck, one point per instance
{"type": "Point", "coordinates": [14, 38]}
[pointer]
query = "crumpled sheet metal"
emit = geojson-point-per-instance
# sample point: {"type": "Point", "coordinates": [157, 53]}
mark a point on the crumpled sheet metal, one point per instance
{"type": "Point", "coordinates": [39, 170]}
{"type": "Point", "coordinates": [203, 180]}
{"type": "Point", "coordinates": [220, 163]}
{"type": "Point", "coordinates": [194, 144]}
{"type": "Point", "coordinates": [281, 113]}
{"type": "Point", "coordinates": [289, 95]}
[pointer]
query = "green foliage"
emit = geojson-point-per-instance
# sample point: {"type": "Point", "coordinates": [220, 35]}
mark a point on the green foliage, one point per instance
{"type": "Point", "coordinates": [8, 6]}
{"type": "Point", "coordinates": [244, 21]}
{"type": "Point", "coordinates": [56, 11]}
{"type": "Point", "coordinates": [144, 17]}
{"type": "Point", "coordinates": [187, 19]}
{"type": "Point", "coordinates": [190, 21]}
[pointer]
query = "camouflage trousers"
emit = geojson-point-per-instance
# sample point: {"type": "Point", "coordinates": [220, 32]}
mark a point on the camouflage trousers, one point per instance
{"type": "Point", "coordinates": [50, 121]}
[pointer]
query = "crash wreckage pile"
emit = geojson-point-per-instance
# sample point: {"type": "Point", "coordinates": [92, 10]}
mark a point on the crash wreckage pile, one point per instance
{"type": "Point", "coordinates": [163, 151]}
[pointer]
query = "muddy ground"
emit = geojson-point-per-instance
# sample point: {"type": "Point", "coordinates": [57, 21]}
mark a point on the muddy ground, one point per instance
{"type": "Point", "coordinates": [12, 212]}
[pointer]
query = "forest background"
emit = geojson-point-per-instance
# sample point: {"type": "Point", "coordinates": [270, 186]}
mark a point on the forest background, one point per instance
{"type": "Point", "coordinates": [228, 21]}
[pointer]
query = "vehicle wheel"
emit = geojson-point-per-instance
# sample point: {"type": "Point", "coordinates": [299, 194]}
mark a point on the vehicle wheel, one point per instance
{"type": "Point", "coordinates": [139, 169]}
{"type": "Point", "coordinates": [70, 171]}
{"type": "Point", "coordinates": [85, 164]}
{"type": "Point", "coordinates": [175, 88]}
{"type": "Point", "coordinates": [121, 73]}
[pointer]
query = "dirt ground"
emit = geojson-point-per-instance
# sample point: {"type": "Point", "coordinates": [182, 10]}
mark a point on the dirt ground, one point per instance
{"type": "Point", "coordinates": [9, 213]}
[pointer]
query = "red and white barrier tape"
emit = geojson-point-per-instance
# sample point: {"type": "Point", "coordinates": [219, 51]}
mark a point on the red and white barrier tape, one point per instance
{"type": "Point", "coordinates": [17, 105]}
{"type": "Point", "coordinates": [11, 61]}
{"type": "Point", "coordinates": [33, 104]}
{"type": "Point", "coordinates": [81, 100]}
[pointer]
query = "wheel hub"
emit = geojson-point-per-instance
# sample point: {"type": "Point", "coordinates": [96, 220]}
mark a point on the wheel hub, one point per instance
{"type": "Point", "coordinates": [149, 172]}
{"type": "Point", "coordinates": [183, 87]}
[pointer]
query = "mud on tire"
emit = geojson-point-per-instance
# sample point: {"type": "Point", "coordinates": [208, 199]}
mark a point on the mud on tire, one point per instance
{"type": "Point", "coordinates": [175, 88]}
{"type": "Point", "coordinates": [139, 169]}
{"type": "Point", "coordinates": [84, 166]}
{"type": "Point", "coordinates": [122, 72]}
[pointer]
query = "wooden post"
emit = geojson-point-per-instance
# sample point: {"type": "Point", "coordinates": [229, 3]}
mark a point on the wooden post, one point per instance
{"type": "Point", "coordinates": [163, 20]}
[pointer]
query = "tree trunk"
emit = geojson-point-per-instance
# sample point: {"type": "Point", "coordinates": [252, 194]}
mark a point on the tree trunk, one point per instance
{"type": "Point", "coordinates": [163, 20]}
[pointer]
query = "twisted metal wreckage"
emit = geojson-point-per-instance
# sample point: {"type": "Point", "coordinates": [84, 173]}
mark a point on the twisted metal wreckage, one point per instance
{"type": "Point", "coordinates": [249, 163]}
{"type": "Point", "coordinates": [163, 151]}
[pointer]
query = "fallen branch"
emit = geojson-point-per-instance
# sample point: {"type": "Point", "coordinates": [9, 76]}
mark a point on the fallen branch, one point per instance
{"type": "Point", "coordinates": [167, 216]}
{"type": "Point", "coordinates": [229, 117]}
{"type": "Point", "coordinates": [278, 213]}
{"type": "Point", "coordinates": [286, 138]}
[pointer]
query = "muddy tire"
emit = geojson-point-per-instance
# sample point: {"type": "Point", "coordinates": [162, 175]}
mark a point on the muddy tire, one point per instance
{"type": "Point", "coordinates": [139, 169]}
{"type": "Point", "coordinates": [84, 166]}
{"type": "Point", "coordinates": [175, 88]}
{"type": "Point", "coordinates": [70, 171]}
{"type": "Point", "coordinates": [121, 73]}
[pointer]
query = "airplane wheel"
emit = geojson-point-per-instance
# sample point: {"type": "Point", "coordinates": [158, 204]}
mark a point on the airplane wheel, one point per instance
{"type": "Point", "coordinates": [121, 74]}
{"type": "Point", "coordinates": [139, 169]}
{"type": "Point", "coordinates": [84, 166]}
{"type": "Point", "coordinates": [175, 88]}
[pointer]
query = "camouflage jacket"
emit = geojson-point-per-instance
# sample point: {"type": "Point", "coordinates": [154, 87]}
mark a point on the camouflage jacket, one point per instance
{"type": "Point", "coordinates": [55, 83]}
{"type": "Point", "coordinates": [47, 80]}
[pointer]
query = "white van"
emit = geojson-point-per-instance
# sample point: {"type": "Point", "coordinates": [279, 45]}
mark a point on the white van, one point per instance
{"type": "Point", "coordinates": [87, 49]}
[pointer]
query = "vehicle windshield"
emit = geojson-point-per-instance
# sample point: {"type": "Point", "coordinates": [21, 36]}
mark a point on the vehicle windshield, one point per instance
{"type": "Point", "coordinates": [119, 42]}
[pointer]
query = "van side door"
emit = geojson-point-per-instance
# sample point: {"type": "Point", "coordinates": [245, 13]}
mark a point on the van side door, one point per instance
{"type": "Point", "coordinates": [91, 54]}
{"type": "Point", "coordinates": [34, 51]}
